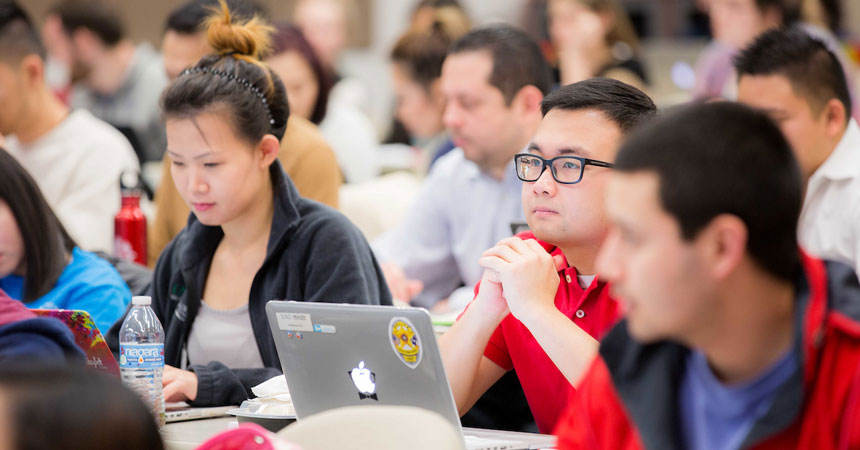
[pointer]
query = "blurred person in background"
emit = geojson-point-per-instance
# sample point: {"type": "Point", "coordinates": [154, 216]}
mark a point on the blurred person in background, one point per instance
{"type": "Point", "coordinates": [416, 66]}
{"type": "Point", "coordinates": [112, 78]}
{"type": "Point", "coordinates": [472, 196]}
{"type": "Point", "coordinates": [305, 155]}
{"type": "Point", "coordinates": [347, 129]}
{"type": "Point", "coordinates": [736, 23]}
{"type": "Point", "coordinates": [325, 24]}
{"type": "Point", "coordinates": [71, 409]}
{"type": "Point", "coordinates": [594, 38]}
{"type": "Point", "coordinates": [798, 82]}
{"type": "Point", "coordinates": [423, 14]}
{"type": "Point", "coordinates": [426, 12]}
{"type": "Point", "coordinates": [75, 158]}
{"type": "Point", "coordinates": [58, 59]}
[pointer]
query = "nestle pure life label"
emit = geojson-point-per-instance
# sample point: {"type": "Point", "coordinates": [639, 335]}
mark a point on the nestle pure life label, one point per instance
{"type": "Point", "coordinates": [141, 356]}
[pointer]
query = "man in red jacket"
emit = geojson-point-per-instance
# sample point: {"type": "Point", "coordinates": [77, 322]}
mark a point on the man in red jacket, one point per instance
{"type": "Point", "coordinates": [733, 338]}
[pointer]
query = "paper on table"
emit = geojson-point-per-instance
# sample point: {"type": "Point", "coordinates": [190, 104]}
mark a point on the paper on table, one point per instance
{"type": "Point", "coordinates": [273, 397]}
{"type": "Point", "coordinates": [275, 386]}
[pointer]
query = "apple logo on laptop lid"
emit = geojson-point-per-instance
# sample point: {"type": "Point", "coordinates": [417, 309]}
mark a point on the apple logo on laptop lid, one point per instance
{"type": "Point", "coordinates": [365, 381]}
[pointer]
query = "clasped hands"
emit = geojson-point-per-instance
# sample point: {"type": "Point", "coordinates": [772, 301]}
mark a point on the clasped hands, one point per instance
{"type": "Point", "coordinates": [520, 277]}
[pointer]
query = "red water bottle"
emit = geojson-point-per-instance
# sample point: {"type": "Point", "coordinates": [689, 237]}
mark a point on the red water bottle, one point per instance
{"type": "Point", "coordinates": [130, 227]}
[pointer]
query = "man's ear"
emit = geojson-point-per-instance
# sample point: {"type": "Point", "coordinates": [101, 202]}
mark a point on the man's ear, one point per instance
{"type": "Point", "coordinates": [529, 99]}
{"type": "Point", "coordinates": [722, 245]}
{"type": "Point", "coordinates": [33, 69]}
{"type": "Point", "coordinates": [836, 117]}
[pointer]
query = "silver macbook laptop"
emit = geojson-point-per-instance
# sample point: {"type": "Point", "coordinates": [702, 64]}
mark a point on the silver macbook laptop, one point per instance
{"type": "Point", "coordinates": [336, 355]}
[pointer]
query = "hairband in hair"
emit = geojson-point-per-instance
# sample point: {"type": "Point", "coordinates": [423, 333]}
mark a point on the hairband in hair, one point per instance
{"type": "Point", "coordinates": [242, 82]}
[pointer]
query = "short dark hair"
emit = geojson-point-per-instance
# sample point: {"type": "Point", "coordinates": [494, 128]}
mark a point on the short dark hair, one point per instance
{"type": "Point", "coordinates": [517, 58]}
{"type": "Point", "coordinates": [724, 158]}
{"type": "Point", "coordinates": [621, 103]}
{"type": "Point", "coordinates": [46, 242]}
{"type": "Point", "coordinates": [97, 16]}
{"type": "Point", "coordinates": [18, 36]}
{"type": "Point", "coordinates": [811, 68]}
{"type": "Point", "coordinates": [188, 18]}
{"type": "Point", "coordinates": [49, 407]}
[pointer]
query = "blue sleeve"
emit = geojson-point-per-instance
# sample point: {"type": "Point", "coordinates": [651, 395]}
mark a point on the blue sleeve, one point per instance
{"type": "Point", "coordinates": [91, 284]}
{"type": "Point", "coordinates": [106, 304]}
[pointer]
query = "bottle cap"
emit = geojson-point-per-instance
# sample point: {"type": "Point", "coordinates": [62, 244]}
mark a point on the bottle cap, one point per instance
{"type": "Point", "coordinates": [129, 183]}
{"type": "Point", "coordinates": [141, 300]}
{"type": "Point", "coordinates": [129, 179]}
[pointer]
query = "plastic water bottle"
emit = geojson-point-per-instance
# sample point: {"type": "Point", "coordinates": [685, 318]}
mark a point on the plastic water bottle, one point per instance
{"type": "Point", "coordinates": [141, 355]}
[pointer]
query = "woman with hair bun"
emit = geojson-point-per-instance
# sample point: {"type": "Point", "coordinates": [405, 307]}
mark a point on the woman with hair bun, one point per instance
{"type": "Point", "coordinates": [250, 238]}
{"type": "Point", "coordinates": [416, 66]}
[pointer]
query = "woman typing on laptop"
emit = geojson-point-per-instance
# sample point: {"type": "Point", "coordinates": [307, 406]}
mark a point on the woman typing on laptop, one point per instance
{"type": "Point", "coordinates": [251, 237]}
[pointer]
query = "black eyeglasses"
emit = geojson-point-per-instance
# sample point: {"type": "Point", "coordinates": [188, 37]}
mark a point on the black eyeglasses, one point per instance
{"type": "Point", "coordinates": [564, 169]}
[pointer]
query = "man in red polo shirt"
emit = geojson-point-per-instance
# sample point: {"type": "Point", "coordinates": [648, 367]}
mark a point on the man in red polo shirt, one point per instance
{"type": "Point", "coordinates": [539, 310]}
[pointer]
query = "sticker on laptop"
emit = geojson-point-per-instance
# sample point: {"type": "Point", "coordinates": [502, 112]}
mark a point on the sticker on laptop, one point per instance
{"type": "Point", "coordinates": [405, 342]}
{"type": "Point", "coordinates": [294, 321]}
{"type": "Point", "coordinates": [318, 328]}
{"type": "Point", "coordinates": [365, 382]}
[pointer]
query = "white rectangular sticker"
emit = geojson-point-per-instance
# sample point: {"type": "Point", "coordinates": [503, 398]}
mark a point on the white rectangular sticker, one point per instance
{"type": "Point", "coordinates": [294, 322]}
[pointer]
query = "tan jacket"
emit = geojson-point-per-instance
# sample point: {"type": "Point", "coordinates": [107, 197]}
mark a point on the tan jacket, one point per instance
{"type": "Point", "coordinates": [306, 157]}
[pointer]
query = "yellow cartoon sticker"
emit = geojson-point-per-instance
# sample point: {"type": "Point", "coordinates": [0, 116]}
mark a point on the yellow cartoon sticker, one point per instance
{"type": "Point", "coordinates": [405, 341]}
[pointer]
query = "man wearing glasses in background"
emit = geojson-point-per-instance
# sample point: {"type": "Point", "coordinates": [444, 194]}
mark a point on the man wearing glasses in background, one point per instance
{"type": "Point", "coordinates": [539, 309]}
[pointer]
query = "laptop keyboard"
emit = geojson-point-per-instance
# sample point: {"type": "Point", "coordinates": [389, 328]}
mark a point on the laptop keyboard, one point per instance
{"type": "Point", "coordinates": [481, 443]}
